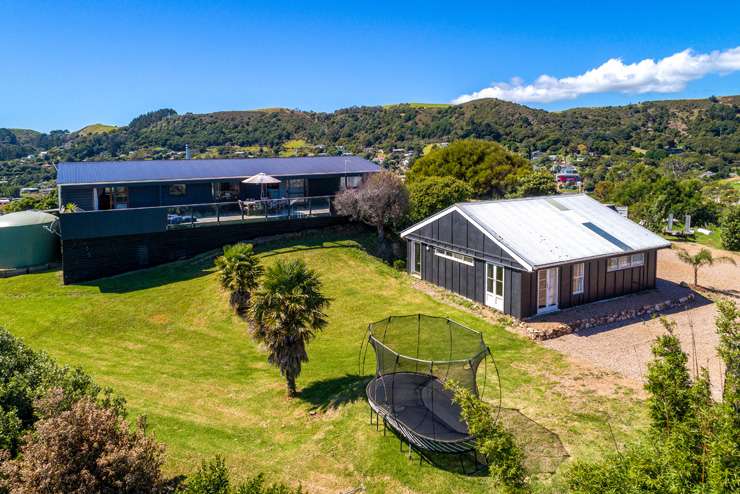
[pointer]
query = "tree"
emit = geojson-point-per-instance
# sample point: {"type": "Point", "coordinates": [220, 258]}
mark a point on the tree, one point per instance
{"type": "Point", "coordinates": [84, 449]}
{"type": "Point", "coordinates": [239, 272]}
{"type": "Point", "coordinates": [287, 312]}
{"type": "Point", "coordinates": [489, 168]}
{"type": "Point", "coordinates": [537, 183]}
{"type": "Point", "coordinates": [381, 201]}
{"type": "Point", "coordinates": [702, 258]}
{"type": "Point", "coordinates": [432, 194]}
{"type": "Point", "coordinates": [497, 445]}
{"type": "Point", "coordinates": [730, 228]}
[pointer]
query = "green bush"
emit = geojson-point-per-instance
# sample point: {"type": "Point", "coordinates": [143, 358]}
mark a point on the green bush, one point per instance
{"type": "Point", "coordinates": [26, 376]}
{"type": "Point", "coordinates": [504, 457]}
{"type": "Point", "coordinates": [537, 183]}
{"type": "Point", "coordinates": [399, 264]}
{"type": "Point", "coordinates": [432, 194]}
{"type": "Point", "coordinates": [693, 445]}
{"type": "Point", "coordinates": [730, 228]}
{"type": "Point", "coordinates": [213, 478]}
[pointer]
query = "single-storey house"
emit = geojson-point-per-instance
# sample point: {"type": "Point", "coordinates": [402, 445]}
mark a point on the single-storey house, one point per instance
{"type": "Point", "coordinates": [533, 255]}
{"type": "Point", "coordinates": [129, 215]}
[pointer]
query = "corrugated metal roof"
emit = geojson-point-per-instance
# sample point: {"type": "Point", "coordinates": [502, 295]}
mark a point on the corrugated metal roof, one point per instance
{"type": "Point", "coordinates": [557, 229]}
{"type": "Point", "coordinates": [100, 172]}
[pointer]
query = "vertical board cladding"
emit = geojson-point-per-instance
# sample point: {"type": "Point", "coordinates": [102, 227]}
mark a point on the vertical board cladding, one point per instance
{"type": "Point", "coordinates": [93, 258]}
{"type": "Point", "coordinates": [82, 196]}
{"type": "Point", "coordinates": [598, 283]}
{"type": "Point", "coordinates": [142, 196]}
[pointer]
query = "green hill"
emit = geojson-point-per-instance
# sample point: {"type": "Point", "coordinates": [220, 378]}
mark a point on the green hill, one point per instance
{"type": "Point", "coordinates": [97, 128]}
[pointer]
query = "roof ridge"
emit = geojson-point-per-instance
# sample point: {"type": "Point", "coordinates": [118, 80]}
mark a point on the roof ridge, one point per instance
{"type": "Point", "coordinates": [515, 199]}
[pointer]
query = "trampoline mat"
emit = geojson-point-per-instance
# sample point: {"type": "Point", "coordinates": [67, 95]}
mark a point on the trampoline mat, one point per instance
{"type": "Point", "coordinates": [421, 403]}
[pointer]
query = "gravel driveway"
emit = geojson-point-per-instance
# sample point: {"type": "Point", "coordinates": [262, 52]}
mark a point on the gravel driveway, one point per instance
{"type": "Point", "coordinates": [625, 348]}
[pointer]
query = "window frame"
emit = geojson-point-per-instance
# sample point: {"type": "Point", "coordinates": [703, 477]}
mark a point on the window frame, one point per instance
{"type": "Point", "coordinates": [454, 256]}
{"type": "Point", "coordinates": [416, 258]}
{"type": "Point", "coordinates": [578, 281]}
{"type": "Point", "coordinates": [627, 261]}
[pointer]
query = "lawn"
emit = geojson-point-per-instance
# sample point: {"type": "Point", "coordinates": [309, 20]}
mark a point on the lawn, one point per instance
{"type": "Point", "coordinates": [166, 340]}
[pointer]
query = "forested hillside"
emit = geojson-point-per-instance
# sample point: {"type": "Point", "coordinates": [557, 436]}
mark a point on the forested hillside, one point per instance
{"type": "Point", "coordinates": [699, 134]}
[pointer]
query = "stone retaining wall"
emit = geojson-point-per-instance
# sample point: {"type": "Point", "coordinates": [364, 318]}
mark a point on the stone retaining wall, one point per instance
{"type": "Point", "coordinates": [586, 323]}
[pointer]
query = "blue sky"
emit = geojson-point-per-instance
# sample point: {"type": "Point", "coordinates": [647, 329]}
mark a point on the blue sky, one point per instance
{"type": "Point", "coordinates": [68, 64]}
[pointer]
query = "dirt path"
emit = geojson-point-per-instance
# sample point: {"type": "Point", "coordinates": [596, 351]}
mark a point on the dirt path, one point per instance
{"type": "Point", "coordinates": [625, 348]}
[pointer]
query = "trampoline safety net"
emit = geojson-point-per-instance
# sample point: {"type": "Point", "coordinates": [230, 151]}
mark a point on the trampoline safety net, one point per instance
{"type": "Point", "coordinates": [415, 355]}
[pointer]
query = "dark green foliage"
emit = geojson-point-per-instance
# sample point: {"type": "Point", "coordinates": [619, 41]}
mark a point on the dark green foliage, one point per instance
{"type": "Point", "coordinates": [432, 194]}
{"type": "Point", "coordinates": [287, 311]}
{"type": "Point", "coordinates": [504, 457]}
{"type": "Point", "coordinates": [730, 228]}
{"type": "Point", "coordinates": [213, 478]}
{"type": "Point", "coordinates": [150, 118]}
{"type": "Point", "coordinates": [399, 264]}
{"type": "Point", "coordinates": [239, 273]}
{"type": "Point", "coordinates": [694, 443]}
{"type": "Point", "coordinates": [26, 376]}
{"type": "Point", "coordinates": [490, 169]}
{"type": "Point", "coordinates": [537, 183]}
{"type": "Point", "coordinates": [43, 203]}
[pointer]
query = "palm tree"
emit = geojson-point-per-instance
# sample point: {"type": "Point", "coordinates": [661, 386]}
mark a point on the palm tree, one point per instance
{"type": "Point", "coordinates": [239, 272]}
{"type": "Point", "coordinates": [702, 258]}
{"type": "Point", "coordinates": [287, 311]}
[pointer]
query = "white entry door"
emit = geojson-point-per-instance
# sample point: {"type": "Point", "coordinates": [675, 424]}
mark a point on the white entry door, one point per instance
{"type": "Point", "coordinates": [495, 286]}
{"type": "Point", "coordinates": [547, 290]}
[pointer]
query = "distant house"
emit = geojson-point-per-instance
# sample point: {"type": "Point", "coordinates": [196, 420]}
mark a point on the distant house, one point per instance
{"type": "Point", "coordinates": [535, 255]}
{"type": "Point", "coordinates": [135, 214]}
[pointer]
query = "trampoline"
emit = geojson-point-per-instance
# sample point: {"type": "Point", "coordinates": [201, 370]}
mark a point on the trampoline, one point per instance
{"type": "Point", "coordinates": [415, 355]}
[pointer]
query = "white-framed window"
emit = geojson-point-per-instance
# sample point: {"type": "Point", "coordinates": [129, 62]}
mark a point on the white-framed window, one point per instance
{"type": "Point", "coordinates": [454, 256]}
{"type": "Point", "coordinates": [625, 262]}
{"type": "Point", "coordinates": [296, 187]}
{"type": "Point", "coordinates": [352, 181]}
{"type": "Point", "coordinates": [578, 278]}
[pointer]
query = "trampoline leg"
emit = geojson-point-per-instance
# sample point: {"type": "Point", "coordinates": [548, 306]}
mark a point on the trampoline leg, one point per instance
{"type": "Point", "coordinates": [383, 426]}
{"type": "Point", "coordinates": [400, 445]}
{"type": "Point", "coordinates": [462, 464]}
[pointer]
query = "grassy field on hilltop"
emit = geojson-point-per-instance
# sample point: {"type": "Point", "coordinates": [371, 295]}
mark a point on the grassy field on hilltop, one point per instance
{"type": "Point", "coordinates": [166, 340]}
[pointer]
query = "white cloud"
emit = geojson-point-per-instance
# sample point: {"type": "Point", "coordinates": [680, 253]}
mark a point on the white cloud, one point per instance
{"type": "Point", "coordinates": [668, 75]}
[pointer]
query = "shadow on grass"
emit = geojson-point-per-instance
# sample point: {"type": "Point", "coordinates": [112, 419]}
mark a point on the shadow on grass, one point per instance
{"type": "Point", "coordinates": [330, 394]}
{"type": "Point", "coordinates": [202, 264]}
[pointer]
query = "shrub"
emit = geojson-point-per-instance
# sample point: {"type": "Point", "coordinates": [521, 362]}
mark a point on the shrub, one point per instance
{"type": "Point", "coordinates": [213, 478]}
{"type": "Point", "coordinates": [25, 376]}
{"type": "Point", "coordinates": [432, 194]}
{"type": "Point", "coordinates": [84, 449]}
{"type": "Point", "coordinates": [399, 264]}
{"type": "Point", "coordinates": [730, 228]}
{"type": "Point", "coordinates": [504, 457]}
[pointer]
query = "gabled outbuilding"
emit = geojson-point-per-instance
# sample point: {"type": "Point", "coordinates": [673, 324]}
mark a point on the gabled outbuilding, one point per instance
{"type": "Point", "coordinates": [533, 255]}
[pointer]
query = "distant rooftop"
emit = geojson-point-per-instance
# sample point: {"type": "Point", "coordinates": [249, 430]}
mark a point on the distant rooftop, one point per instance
{"type": "Point", "coordinates": [108, 172]}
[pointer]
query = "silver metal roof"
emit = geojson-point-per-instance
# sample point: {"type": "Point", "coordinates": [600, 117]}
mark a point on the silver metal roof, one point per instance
{"type": "Point", "coordinates": [558, 229]}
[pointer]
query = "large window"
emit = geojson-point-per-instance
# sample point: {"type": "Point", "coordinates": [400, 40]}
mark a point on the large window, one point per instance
{"type": "Point", "coordinates": [625, 262]}
{"type": "Point", "coordinates": [296, 187]}
{"type": "Point", "coordinates": [578, 277]}
{"type": "Point", "coordinates": [455, 256]}
{"type": "Point", "coordinates": [226, 191]}
{"type": "Point", "coordinates": [113, 198]}
{"type": "Point", "coordinates": [351, 181]}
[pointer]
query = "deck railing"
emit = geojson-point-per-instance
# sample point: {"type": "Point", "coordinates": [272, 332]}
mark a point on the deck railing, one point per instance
{"type": "Point", "coordinates": [131, 221]}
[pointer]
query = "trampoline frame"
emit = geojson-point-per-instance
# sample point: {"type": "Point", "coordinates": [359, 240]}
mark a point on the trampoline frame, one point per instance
{"type": "Point", "coordinates": [415, 440]}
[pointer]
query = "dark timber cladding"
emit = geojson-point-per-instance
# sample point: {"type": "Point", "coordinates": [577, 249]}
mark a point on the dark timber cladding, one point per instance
{"type": "Point", "coordinates": [534, 255]}
{"type": "Point", "coordinates": [92, 258]}
{"type": "Point", "coordinates": [453, 232]}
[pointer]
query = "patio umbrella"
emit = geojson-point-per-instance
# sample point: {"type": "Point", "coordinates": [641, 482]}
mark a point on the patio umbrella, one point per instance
{"type": "Point", "coordinates": [261, 179]}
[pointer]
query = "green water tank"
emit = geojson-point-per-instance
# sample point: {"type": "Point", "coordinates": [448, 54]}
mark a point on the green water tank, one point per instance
{"type": "Point", "coordinates": [26, 239]}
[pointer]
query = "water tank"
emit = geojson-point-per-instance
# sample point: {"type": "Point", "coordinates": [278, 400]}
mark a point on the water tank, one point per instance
{"type": "Point", "coordinates": [25, 239]}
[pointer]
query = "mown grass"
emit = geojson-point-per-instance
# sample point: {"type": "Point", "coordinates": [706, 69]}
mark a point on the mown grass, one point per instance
{"type": "Point", "coordinates": [166, 340]}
